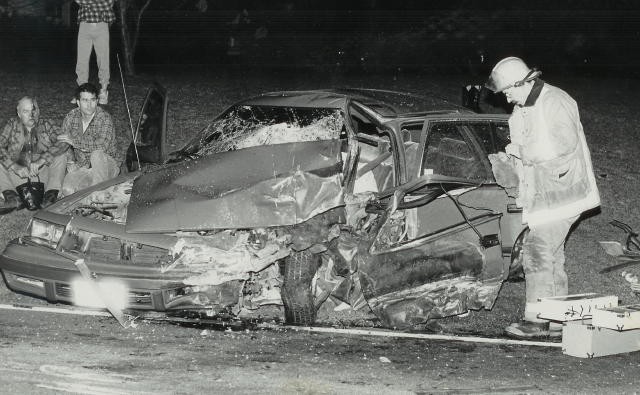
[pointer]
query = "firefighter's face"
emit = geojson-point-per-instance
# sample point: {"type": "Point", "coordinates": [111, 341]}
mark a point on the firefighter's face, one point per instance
{"type": "Point", "coordinates": [518, 94]}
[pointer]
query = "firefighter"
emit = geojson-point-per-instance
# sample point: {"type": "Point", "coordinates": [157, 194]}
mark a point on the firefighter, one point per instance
{"type": "Point", "coordinates": [556, 184]}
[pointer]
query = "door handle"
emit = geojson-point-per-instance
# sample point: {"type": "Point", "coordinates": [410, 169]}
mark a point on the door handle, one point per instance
{"type": "Point", "coordinates": [512, 208]}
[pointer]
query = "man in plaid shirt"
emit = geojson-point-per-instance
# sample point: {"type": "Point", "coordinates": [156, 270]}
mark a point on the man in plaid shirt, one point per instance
{"type": "Point", "coordinates": [89, 130]}
{"type": "Point", "coordinates": [94, 17]}
{"type": "Point", "coordinates": [30, 149]}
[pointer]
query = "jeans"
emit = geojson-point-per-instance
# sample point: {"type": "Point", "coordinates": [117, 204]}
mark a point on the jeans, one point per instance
{"type": "Point", "coordinates": [93, 36]}
{"type": "Point", "coordinates": [103, 167]}
{"type": "Point", "coordinates": [51, 175]}
{"type": "Point", "coordinates": [543, 262]}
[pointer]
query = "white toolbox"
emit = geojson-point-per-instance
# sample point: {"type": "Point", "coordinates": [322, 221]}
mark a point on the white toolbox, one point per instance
{"type": "Point", "coordinates": [571, 307]}
{"type": "Point", "coordinates": [583, 340]}
{"type": "Point", "coordinates": [620, 318]}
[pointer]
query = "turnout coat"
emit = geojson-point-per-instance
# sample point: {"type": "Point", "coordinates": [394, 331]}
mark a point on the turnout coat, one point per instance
{"type": "Point", "coordinates": [551, 157]}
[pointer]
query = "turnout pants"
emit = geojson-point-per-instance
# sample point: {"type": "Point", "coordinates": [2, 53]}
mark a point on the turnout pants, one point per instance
{"type": "Point", "coordinates": [543, 263]}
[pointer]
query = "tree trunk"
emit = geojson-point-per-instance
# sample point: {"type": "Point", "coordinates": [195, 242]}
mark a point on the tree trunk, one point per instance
{"type": "Point", "coordinates": [127, 48]}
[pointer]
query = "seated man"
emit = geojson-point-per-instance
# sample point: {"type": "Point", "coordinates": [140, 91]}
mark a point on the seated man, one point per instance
{"type": "Point", "coordinates": [89, 131]}
{"type": "Point", "coordinates": [30, 150]}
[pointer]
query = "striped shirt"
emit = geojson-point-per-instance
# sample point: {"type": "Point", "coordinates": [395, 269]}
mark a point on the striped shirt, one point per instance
{"type": "Point", "coordinates": [100, 135]}
{"type": "Point", "coordinates": [15, 147]}
{"type": "Point", "coordinates": [94, 11]}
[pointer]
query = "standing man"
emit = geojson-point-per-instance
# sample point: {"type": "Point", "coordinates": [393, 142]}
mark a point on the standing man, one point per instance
{"type": "Point", "coordinates": [94, 18]}
{"type": "Point", "coordinates": [549, 152]}
{"type": "Point", "coordinates": [30, 149]}
{"type": "Point", "coordinates": [89, 130]}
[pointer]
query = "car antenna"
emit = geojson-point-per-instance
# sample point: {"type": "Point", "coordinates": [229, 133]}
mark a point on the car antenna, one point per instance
{"type": "Point", "coordinates": [134, 135]}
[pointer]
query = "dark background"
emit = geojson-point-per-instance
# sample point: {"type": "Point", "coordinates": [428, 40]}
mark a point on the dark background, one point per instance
{"type": "Point", "coordinates": [365, 36]}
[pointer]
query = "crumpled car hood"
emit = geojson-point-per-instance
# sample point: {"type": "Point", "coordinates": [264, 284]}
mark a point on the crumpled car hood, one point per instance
{"type": "Point", "coordinates": [273, 185]}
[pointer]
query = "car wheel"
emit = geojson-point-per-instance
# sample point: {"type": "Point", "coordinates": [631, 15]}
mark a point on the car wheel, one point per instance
{"type": "Point", "coordinates": [516, 270]}
{"type": "Point", "coordinates": [297, 295]}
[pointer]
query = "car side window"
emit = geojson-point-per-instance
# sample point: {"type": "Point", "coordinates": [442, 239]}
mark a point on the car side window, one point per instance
{"type": "Point", "coordinates": [376, 164]}
{"type": "Point", "coordinates": [448, 153]}
{"type": "Point", "coordinates": [494, 136]}
{"type": "Point", "coordinates": [501, 133]}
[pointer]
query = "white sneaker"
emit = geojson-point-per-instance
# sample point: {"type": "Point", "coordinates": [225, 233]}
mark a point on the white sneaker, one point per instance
{"type": "Point", "coordinates": [103, 97]}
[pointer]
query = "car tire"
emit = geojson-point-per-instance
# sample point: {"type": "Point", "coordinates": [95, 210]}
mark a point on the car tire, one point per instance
{"type": "Point", "coordinates": [297, 295]}
{"type": "Point", "coordinates": [516, 270]}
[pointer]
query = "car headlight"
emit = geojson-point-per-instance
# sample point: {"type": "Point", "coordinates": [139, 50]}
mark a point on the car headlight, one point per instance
{"type": "Point", "coordinates": [46, 233]}
{"type": "Point", "coordinates": [92, 294]}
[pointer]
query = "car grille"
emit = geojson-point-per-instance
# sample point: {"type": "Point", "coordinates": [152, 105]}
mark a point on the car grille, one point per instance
{"type": "Point", "coordinates": [141, 254]}
{"type": "Point", "coordinates": [105, 248]}
{"type": "Point", "coordinates": [114, 250]}
{"type": "Point", "coordinates": [136, 298]}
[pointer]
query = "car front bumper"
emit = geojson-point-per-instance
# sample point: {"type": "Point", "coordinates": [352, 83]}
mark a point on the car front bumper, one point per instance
{"type": "Point", "coordinates": [38, 271]}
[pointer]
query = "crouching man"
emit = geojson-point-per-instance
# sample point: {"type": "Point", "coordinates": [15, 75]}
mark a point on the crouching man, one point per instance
{"type": "Point", "coordinates": [90, 132]}
{"type": "Point", "coordinates": [30, 151]}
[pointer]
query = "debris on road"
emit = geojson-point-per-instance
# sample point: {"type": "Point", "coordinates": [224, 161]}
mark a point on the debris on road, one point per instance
{"type": "Point", "coordinates": [627, 254]}
{"type": "Point", "coordinates": [633, 280]}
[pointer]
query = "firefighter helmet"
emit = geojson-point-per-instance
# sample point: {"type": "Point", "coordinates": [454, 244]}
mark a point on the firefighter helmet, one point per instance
{"type": "Point", "coordinates": [510, 72]}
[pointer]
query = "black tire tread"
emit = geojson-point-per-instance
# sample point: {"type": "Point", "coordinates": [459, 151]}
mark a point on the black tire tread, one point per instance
{"type": "Point", "coordinates": [297, 295]}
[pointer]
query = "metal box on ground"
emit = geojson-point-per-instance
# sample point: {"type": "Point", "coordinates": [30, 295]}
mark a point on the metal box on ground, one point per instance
{"type": "Point", "coordinates": [583, 340]}
{"type": "Point", "coordinates": [620, 318]}
{"type": "Point", "coordinates": [571, 307]}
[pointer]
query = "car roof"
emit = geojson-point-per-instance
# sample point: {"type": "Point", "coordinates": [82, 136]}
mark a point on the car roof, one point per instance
{"type": "Point", "coordinates": [388, 104]}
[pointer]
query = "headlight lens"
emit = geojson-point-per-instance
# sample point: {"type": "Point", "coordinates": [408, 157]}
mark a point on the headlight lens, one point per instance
{"type": "Point", "coordinates": [46, 233]}
{"type": "Point", "coordinates": [92, 294]}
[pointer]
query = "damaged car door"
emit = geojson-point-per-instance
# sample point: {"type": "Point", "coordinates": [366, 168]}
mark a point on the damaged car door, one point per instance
{"type": "Point", "coordinates": [437, 249]}
{"type": "Point", "coordinates": [149, 141]}
{"type": "Point", "coordinates": [460, 147]}
{"type": "Point", "coordinates": [409, 276]}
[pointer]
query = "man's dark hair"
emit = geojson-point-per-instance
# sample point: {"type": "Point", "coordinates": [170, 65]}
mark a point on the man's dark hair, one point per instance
{"type": "Point", "coordinates": [86, 87]}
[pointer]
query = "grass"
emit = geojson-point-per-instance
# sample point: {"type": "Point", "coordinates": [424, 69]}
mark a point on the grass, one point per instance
{"type": "Point", "coordinates": [608, 109]}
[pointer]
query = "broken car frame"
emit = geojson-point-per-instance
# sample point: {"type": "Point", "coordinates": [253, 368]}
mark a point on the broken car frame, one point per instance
{"type": "Point", "coordinates": [380, 200]}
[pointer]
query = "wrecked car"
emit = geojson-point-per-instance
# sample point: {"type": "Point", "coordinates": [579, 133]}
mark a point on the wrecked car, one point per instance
{"type": "Point", "coordinates": [366, 198]}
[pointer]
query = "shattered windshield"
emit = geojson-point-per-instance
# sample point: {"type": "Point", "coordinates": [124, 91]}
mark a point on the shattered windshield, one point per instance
{"type": "Point", "coordinates": [249, 126]}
